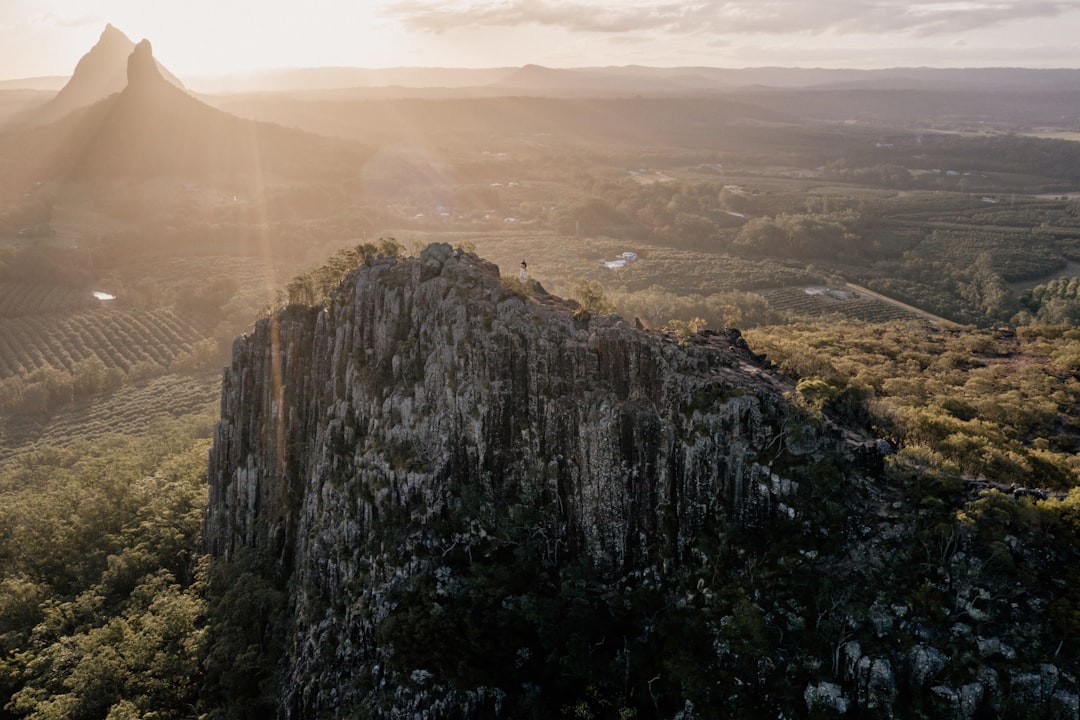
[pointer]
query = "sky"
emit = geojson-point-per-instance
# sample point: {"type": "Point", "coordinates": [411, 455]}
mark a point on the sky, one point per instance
{"type": "Point", "coordinates": [200, 38]}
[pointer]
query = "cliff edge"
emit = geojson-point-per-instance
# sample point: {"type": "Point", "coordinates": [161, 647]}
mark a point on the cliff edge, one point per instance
{"type": "Point", "coordinates": [476, 500]}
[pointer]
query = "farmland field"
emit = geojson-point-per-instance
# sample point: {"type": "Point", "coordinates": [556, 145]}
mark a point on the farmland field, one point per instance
{"type": "Point", "coordinates": [135, 409]}
{"type": "Point", "coordinates": [17, 299]}
{"type": "Point", "coordinates": [117, 338]}
{"type": "Point", "coordinates": [818, 302]}
{"type": "Point", "coordinates": [728, 221]}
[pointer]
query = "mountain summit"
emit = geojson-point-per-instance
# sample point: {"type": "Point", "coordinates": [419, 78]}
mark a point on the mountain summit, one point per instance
{"type": "Point", "coordinates": [142, 69]}
{"type": "Point", "coordinates": [152, 127]}
{"type": "Point", "coordinates": [101, 72]}
{"type": "Point", "coordinates": [433, 413]}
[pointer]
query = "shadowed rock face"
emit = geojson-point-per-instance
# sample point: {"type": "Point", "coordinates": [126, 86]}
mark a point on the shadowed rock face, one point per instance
{"type": "Point", "coordinates": [425, 376]}
{"type": "Point", "coordinates": [103, 71]}
{"type": "Point", "coordinates": [357, 441]}
{"type": "Point", "coordinates": [479, 503]}
{"type": "Point", "coordinates": [152, 128]}
{"type": "Point", "coordinates": [142, 69]}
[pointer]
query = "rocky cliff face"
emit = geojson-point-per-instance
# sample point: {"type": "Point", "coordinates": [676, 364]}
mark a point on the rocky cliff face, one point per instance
{"type": "Point", "coordinates": [480, 503]}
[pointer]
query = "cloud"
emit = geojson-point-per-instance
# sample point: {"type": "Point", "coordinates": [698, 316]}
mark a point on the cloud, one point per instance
{"type": "Point", "coordinates": [575, 16]}
{"type": "Point", "coordinates": [49, 19]}
{"type": "Point", "coordinates": [627, 39]}
{"type": "Point", "coordinates": [726, 17]}
{"type": "Point", "coordinates": [934, 17]}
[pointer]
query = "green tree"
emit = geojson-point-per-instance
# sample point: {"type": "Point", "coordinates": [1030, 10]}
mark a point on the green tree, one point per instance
{"type": "Point", "coordinates": [90, 376]}
{"type": "Point", "coordinates": [592, 298]}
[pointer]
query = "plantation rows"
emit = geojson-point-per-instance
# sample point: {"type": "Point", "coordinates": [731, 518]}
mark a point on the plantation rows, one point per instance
{"type": "Point", "coordinates": [704, 273]}
{"type": "Point", "coordinates": [130, 410]}
{"type": "Point", "coordinates": [118, 338]}
{"type": "Point", "coordinates": [1014, 255]}
{"type": "Point", "coordinates": [18, 299]}
{"type": "Point", "coordinates": [797, 303]}
{"type": "Point", "coordinates": [1027, 215]}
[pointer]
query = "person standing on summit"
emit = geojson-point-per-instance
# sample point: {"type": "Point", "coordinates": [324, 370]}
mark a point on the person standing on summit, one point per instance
{"type": "Point", "coordinates": [523, 273]}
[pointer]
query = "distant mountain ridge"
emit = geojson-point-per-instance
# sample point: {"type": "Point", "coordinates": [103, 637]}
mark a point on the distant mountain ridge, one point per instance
{"type": "Point", "coordinates": [643, 79]}
{"type": "Point", "coordinates": [336, 78]}
{"type": "Point", "coordinates": [101, 72]}
{"type": "Point", "coordinates": [51, 83]}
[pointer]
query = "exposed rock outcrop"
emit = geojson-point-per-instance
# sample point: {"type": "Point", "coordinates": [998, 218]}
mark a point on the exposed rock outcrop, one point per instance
{"type": "Point", "coordinates": [425, 376]}
{"type": "Point", "coordinates": [481, 503]}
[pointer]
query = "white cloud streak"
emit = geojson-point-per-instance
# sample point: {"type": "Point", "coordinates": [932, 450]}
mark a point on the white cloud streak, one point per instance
{"type": "Point", "coordinates": [51, 19]}
{"type": "Point", "coordinates": [722, 17]}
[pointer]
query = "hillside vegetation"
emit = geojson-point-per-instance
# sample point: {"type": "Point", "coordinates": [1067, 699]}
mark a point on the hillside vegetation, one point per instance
{"type": "Point", "coordinates": [742, 210]}
{"type": "Point", "coordinates": [996, 406]}
{"type": "Point", "coordinates": [656, 523]}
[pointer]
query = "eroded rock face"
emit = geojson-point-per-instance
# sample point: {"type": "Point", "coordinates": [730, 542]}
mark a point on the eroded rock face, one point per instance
{"type": "Point", "coordinates": [826, 696]}
{"type": "Point", "coordinates": [424, 376]}
{"type": "Point", "coordinates": [353, 437]}
{"type": "Point", "coordinates": [479, 503]}
{"type": "Point", "coordinates": [925, 663]}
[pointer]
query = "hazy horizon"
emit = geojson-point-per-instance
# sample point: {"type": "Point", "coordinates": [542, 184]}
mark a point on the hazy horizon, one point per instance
{"type": "Point", "coordinates": [47, 38]}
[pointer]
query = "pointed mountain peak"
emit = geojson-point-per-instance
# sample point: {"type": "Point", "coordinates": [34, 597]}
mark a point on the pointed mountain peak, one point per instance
{"type": "Point", "coordinates": [110, 32]}
{"type": "Point", "coordinates": [110, 41]}
{"type": "Point", "coordinates": [142, 69]}
{"type": "Point", "coordinates": [101, 72]}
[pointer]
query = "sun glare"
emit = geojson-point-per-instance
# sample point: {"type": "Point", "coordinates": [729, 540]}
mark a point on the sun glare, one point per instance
{"type": "Point", "coordinates": [222, 38]}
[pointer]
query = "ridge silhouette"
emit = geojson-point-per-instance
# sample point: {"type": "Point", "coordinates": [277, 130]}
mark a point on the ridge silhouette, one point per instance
{"type": "Point", "coordinates": [101, 72]}
{"type": "Point", "coordinates": [153, 128]}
